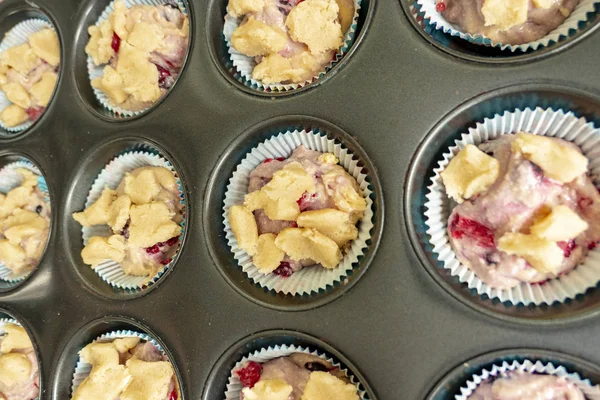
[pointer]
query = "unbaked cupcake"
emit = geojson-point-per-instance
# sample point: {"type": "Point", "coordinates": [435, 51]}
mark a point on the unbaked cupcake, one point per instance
{"type": "Point", "coordinates": [144, 214]}
{"type": "Point", "coordinates": [135, 54]}
{"type": "Point", "coordinates": [28, 72]}
{"type": "Point", "coordinates": [124, 367]}
{"type": "Point", "coordinates": [288, 42]}
{"type": "Point", "coordinates": [19, 375]}
{"type": "Point", "coordinates": [24, 222]}
{"type": "Point", "coordinates": [299, 212]}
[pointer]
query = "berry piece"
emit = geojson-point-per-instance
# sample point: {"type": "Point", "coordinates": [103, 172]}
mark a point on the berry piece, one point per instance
{"type": "Point", "coordinates": [440, 7]}
{"type": "Point", "coordinates": [284, 270]}
{"type": "Point", "coordinates": [584, 202]}
{"type": "Point", "coordinates": [267, 160]}
{"type": "Point", "coordinates": [39, 209]}
{"type": "Point", "coordinates": [567, 247]}
{"type": "Point", "coordinates": [461, 227]}
{"type": "Point", "coordinates": [161, 244]}
{"type": "Point", "coordinates": [153, 250]}
{"type": "Point", "coordinates": [116, 42]}
{"type": "Point", "coordinates": [304, 201]}
{"type": "Point", "coordinates": [173, 241]}
{"type": "Point", "coordinates": [173, 395]}
{"type": "Point", "coordinates": [166, 261]}
{"type": "Point", "coordinates": [315, 366]}
{"type": "Point", "coordinates": [250, 374]}
{"type": "Point", "coordinates": [280, 158]}
{"type": "Point", "coordinates": [34, 113]}
{"type": "Point", "coordinates": [163, 74]}
{"type": "Point", "coordinates": [592, 245]}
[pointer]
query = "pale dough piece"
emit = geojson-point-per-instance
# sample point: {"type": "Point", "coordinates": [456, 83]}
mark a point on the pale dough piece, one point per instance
{"type": "Point", "coordinates": [150, 224]}
{"type": "Point", "coordinates": [315, 23]}
{"type": "Point", "coordinates": [111, 83]}
{"type": "Point", "coordinates": [334, 224]}
{"type": "Point", "coordinates": [328, 158]}
{"type": "Point", "coordinates": [268, 389]}
{"type": "Point", "coordinates": [469, 173]}
{"type": "Point", "coordinates": [15, 368]}
{"type": "Point", "coordinates": [275, 68]}
{"type": "Point", "coordinates": [21, 58]}
{"type": "Point", "coordinates": [16, 339]}
{"type": "Point", "coordinates": [244, 228]}
{"type": "Point", "coordinates": [309, 244]}
{"type": "Point", "coordinates": [346, 197]}
{"type": "Point", "coordinates": [544, 3]}
{"type": "Point", "coordinates": [324, 386]}
{"type": "Point", "coordinates": [13, 115]}
{"type": "Point", "coordinates": [118, 20]}
{"type": "Point", "coordinates": [543, 255]}
{"type": "Point", "coordinates": [16, 93]}
{"type": "Point", "coordinates": [268, 256]}
{"type": "Point", "coordinates": [107, 379]}
{"type": "Point", "coordinates": [150, 380]}
{"type": "Point", "coordinates": [561, 224]}
{"type": "Point", "coordinates": [140, 76]}
{"type": "Point", "coordinates": [45, 45]}
{"type": "Point", "coordinates": [559, 161]}
{"type": "Point", "coordinates": [237, 8]}
{"type": "Point", "coordinates": [279, 197]}
{"type": "Point", "coordinates": [23, 224]}
{"type": "Point", "coordinates": [143, 187]}
{"type": "Point", "coordinates": [100, 45]}
{"type": "Point", "coordinates": [505, 14]}
{"type": "Point", "coordinates": [13, 256]}
{"type": "Point", "coordinates": [97, 213]}
{"type": "Point", "coordinates": [146, 37]}
{"type": "Point", "coordinates": [16, 198]}
{"type": "Point", "coordinates": [125, 344]}
{"type": "Point", "coordinates": [42, 91]}
{"type": "Point", "coordinates": [30, 179]}
{"type": "Point", "coordinates": [118, 213]}
{"type": "Point", "coordinates": [3, 79]}
{"type": "Point", "coordinates": [100, 249]}
{"type": "Point", "coordinates": [256, 38]}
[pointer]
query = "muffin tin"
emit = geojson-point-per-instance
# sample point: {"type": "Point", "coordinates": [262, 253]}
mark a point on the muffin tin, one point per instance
{"type": "Point", "coordinates": [398, 99]}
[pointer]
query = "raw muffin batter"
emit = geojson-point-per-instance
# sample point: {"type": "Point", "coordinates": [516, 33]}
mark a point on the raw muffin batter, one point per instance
{"type": "Point", "coordinates": [144, 47]}
{"type": "Point", "coordinates": [523, 385]}
{"type": "Point", "coordinates": [19, 376]}
{"type": "Point", "coordinates": [144, 215]}
{"type": "Point", "coordinates": [28, 75]}
{"type": "Point", "coordinates": [527, 214]}
{"type": "Point", "coordinates": [507, 21]}
{"type": "Point", "coordinates": [127, 368]}
{"type": "Point", "coordinates": [297, 376]}
{"type": "Point", "coordinates": [292, 41]}
{"type": "Point", "coordinates": [24, 224]}
{"type": "Point", "coordinates": [305, 212]}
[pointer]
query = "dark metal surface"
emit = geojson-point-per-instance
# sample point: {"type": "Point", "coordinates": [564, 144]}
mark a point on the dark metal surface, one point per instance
{"type": "Point", "coordinates": [400, 328]}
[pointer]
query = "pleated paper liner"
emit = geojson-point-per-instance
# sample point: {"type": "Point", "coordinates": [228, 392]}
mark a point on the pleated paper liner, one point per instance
{"type": "Point", "coordinates": [243, 65]}
{"type": "Point", "coordinates": [234, 386]}
{"type": "Point", "coordinates": [10, 179]}
{"type": "Point", "coordinates": [581, 15]}
{"type": "Point", "coordinates": [3, 322]}
{"type": "Point", "coordinates": [96, 71]}
{"type": "Point", "coordinates": [15, 37]}
{"type": "Point", "coordinates": [111, 176]}
{"type": "Point", "coordinates": [591, 392]}
{"type": "Point", "coordinates": [83, 369]}
{"type": "Point", "coordinates": [312, 279]}
{"type": "Point", "coordinates": [547, 122]}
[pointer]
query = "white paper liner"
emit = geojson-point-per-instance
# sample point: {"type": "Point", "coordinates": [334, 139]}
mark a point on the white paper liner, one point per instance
{"type": "Point", "coordinates": [111, 176]}
{"type": "Point", "coordinates": [591, 392]}
{"type": "Point", "coordinates": [244, 65]}
{"type": "Point", "coordinates": [234, 386]}
{"type": "Point", "coordinates": [3, 322]}
{"type": "Point", "coordinates": [547, 122]}
{"type": "Point", "coordinates": [96, 71]}
{"type": "Point", "coordinates": [83, 369]}
{"type": "Point", "coordinates": [310, 279]}
{"type": "Point", "coordinates": [15, 37]}
{"type": "Point", "coordinates": [567, 28]}
{"type": "Point", "coordinates": [10, 179]}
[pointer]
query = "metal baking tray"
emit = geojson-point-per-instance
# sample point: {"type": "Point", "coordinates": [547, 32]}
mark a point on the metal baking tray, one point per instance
{"type": "Point", "coordinates": [397, 100]}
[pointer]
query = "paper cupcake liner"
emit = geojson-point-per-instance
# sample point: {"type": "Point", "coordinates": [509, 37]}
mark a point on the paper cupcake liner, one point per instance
{"type": "Point", "coordinates": [576, 20]}
{"type": "Point", "coordinates": [591, 392]}
{"type": "Point", "coordinates": [547, 122]}
{"type": "Point", "coordinates": [10, 179]}
{"type": "Point", "coordinates": [96, 71]}
{"type": "Point", "coordinates": [243, 65]}
{"type": "Point", "coordinates": [15, 37]}
{"type": "Point", "coordinates": [3, 322]}
{"type": "Point", "coordinates": [111, 176]}
{"type": "Point", "coordinates": [83, 369]}
{"type": "Point", "coordinates": [234, 386]}
{"type": "Point", "coordinates": [311, 279]}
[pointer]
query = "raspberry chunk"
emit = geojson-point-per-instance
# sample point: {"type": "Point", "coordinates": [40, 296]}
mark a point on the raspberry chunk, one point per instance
{"type": "Point", "coordinates": [34, 113]}
{"type": "Point", "coordinates": [592, 245]}
{"type": "Point", "coordinates": [440, 7]}
{"type": "Point", "coordinates": [116, 42]}
{"type": "Point", "coordinates": [163, 74]}
{"type": "Point", "coordinates": [284, 270]}
{"type": "Point", "coordinates": [461, 227]}
{"type": "Point", "coordinates": [173, 395]}
{"type": "Point", "coordinates": [153, 249]}
{"type": "Point", "coordinates": [172, 241]}
{"type": "Point", "coordinates": [166, 261]}
{"type": "Point", "coordinates": [567, 247]}
{"type": "Point", "coordinates": [304, 201]}
{"type": "Point", "coordinates": [250, 374]}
